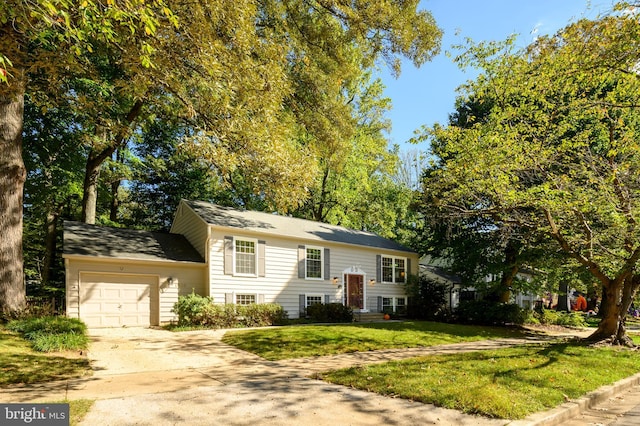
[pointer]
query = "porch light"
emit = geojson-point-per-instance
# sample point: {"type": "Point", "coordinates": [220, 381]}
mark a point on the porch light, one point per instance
{"type": "Point", "coordinates": [372, 282]}
{"type": "Point", "coordinates": [335, 280]}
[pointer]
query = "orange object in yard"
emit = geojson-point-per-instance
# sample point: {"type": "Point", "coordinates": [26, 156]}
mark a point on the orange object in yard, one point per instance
{"type": "Point", "coordinates": [581, 304]}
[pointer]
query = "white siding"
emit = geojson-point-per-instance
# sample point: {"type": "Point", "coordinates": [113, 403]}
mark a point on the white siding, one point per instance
{"type": "Point", "coordinates": [187, 278]}
{"type": "Point", "coordinates": [281, 283]}
{"type": "Point", "coordinates": [189, 224]}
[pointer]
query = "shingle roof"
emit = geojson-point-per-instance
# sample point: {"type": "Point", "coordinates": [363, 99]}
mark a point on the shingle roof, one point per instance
{"type": "Point", "coordinates": [81, 239]}
{"type": "Point", "coordinates": [307, 230]}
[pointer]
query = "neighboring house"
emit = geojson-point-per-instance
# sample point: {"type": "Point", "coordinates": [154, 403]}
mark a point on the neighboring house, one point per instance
{"type": "Point", "coordinates": [436, 269]}
{"type": "Point", "coordinates": [118, 277]}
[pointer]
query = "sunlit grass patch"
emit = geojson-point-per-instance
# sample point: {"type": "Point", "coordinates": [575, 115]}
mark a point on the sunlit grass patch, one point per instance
{"type": "Point", "coordinates": [19, 363]}
{"type": "Point", "coordinates": [507, 383]}
{"type": "Point", "coordinates": [305, 341]}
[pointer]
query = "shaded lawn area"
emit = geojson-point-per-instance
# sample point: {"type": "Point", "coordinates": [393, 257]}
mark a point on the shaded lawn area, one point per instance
{"type": "Point", "coordinates": [314, 340]}
{"type": "Point", "coordinates": [19, 363]}
{"type": "Point", "coordinates": [508, 383]}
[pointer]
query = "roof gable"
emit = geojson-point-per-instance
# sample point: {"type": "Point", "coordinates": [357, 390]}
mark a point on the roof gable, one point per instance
{"type": "Point", "coordinates": [307, 230]}
{"type": "Point", "coordinates": [81, 239]}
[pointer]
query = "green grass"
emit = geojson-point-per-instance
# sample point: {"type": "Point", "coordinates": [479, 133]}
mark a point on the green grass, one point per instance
{"type": "Point", "coordinates": [19, 363]}
{"type": "Point", "coordinates": [507, 383]}
{"type": "Point", "coordinates": [305, 341]}
{"type": "Point", "coordinates": [50, 334]}
{"type": "Point", "coordinates": [78, 409]}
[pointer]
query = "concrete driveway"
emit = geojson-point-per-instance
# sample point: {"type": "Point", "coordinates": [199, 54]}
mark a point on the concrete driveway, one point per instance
{"type": "Point", "coordinates": [155, 377]}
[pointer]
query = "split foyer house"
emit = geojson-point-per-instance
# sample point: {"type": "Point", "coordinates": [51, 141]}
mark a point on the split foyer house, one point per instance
{"type": "Point", "coordinates": [122, 277]}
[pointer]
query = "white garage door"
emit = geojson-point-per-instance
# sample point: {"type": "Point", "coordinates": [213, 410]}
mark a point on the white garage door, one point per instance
{"type": "Point", "coordinates": [114, 300]}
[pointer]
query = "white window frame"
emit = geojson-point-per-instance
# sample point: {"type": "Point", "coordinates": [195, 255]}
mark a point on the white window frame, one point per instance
{"type": "Point", "coordinates": [237, 295]}
{"type": "Point", "coordinates": [306, 265]}
{"type": "Point", "coordinates": [391, 305]}
{"type": "Point", "coordinates": [396, 305]}
{"type": "Point", "coordinates": [308, 295]}
{"type": "Point", "coordinates": [393, 269]}
{"type": "Point", "coordinates": [255, 255]}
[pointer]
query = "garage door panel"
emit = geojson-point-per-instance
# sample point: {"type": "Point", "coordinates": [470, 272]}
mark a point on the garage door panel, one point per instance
{"type": "Point", "coordinates": [112, 300]}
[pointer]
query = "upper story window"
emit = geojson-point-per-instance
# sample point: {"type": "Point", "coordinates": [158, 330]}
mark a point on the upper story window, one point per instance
{"type": "Point", "coordinates": [245, 256]}
{"type": "Point", "coordinates": [314, 262]}
{"type": "Point", "coordinates": [393, 269]}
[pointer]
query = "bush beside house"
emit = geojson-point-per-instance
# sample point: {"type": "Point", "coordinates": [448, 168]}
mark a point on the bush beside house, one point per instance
{"type": "Point", "coordinates": [486, 312]}
{"type": "Point", "coordinates": [427, 299]}
{"type": "Point", "coordinates": [330, 312]}
{"type": "Point", "coordinates": [199, 311]}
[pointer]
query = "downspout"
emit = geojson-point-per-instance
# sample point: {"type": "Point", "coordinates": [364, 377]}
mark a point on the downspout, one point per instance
{"type": "Point", "coordinates": [67, 288]}
{"type": "Point", "coordinates": [207, 261]}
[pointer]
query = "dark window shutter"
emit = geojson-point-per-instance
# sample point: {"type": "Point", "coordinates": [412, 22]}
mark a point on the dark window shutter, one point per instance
{"type": "Point", "coordinates": [228, 256]}
{"type": "Point", "coordinates": [379, 303]}
{"type": "Point", "coordinates": [327, 299]}
{"type": "Point", "coordinates": [379, 268]}
{"type": "Point", "coordinates": [302, 301]}
{"type": "Point", "coordinates": [302, 256]}
{"type": "Point", "coordinates": [261, 258]}
{"type": "Point", "coordinates": [327, 264]}
{"type": "Point", "coordinates": [228, 298]}
{"type": "Point", "coordinates": [408, 271]}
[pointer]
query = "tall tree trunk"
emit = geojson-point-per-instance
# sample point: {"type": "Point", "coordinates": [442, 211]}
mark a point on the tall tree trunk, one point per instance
{"type": "Point", "coordinates": [12, 177]}
{"type": "Point", "coordinates": [508, 273]}
{"type": "Point", "coordinates": [613, 316]}
{"type": "Point", "coordinates": [90, 189]}
{"type": "Point", "coordinates": [563, 297]}
{"type": "Point", "coordinates": [115, 202]}
{"type": "Point", "coordinates": [51, 230]}
{"type": "Point", "coordinates": [115, 186]}
{"type": "Point", "coordinates": [95, 160]}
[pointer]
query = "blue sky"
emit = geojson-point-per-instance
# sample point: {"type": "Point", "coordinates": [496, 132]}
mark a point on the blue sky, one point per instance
{"type": "Point", "coordinates": [426, 95]}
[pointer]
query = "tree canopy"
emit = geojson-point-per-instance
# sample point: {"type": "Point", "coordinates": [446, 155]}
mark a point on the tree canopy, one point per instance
{"type": "Point", "coordinates": [259, 89]}
{"type": "Point", "coordinates": [556, 153]}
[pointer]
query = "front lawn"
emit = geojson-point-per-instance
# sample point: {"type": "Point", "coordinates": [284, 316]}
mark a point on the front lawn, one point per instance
{"type": "Point", "coordinates": [305, 341]}
{"type": "Point", "coordinates": [19, 363]}
{"type": "Point", "coordinates": [507, 383]}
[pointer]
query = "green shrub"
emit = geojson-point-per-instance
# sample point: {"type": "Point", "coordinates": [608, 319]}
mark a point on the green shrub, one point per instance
{"type": "Point", "coordinates": [199, 311]}
{"type": "Point", "coordinates": [190, 309]}
{"type": "Point", "coordinates": [567, 319]}
{"type": "Point", "coordinates": [330, 312]}
{"type": "Point", "coordinates": [484, 312]}
{"type": "Point", "coordinates": [52, 333]}
{"type": "Point", "coordinates": [261, 315]}
{"type": "Point", "coordinates": [427, 299]}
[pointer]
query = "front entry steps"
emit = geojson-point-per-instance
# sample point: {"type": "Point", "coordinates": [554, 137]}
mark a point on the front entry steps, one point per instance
{"type": "Point", "coordinates": [368, 316]}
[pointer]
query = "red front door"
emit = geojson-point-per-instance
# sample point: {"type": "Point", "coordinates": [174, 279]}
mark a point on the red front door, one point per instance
{"type": "Point", "coordinates": [355, 291]}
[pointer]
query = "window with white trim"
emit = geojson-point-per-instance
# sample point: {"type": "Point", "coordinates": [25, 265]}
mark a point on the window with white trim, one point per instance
{"type": "Point", "coordinates": [394, 305]}
{"type": "Point", "coordinates": [399, 270]}
{"type": "Point", "coordinates": [387, 304]}
{"type": "Point", "coordinates": [246, 255]}
{"type": "Point", "coordinates": [313, 299]}
{"type": "Point", "coordinates": [394, 269]}
{"type": "Point", "coordinates": [245, 299]}
{"type": "Point", "coordinates": [314, 262]}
